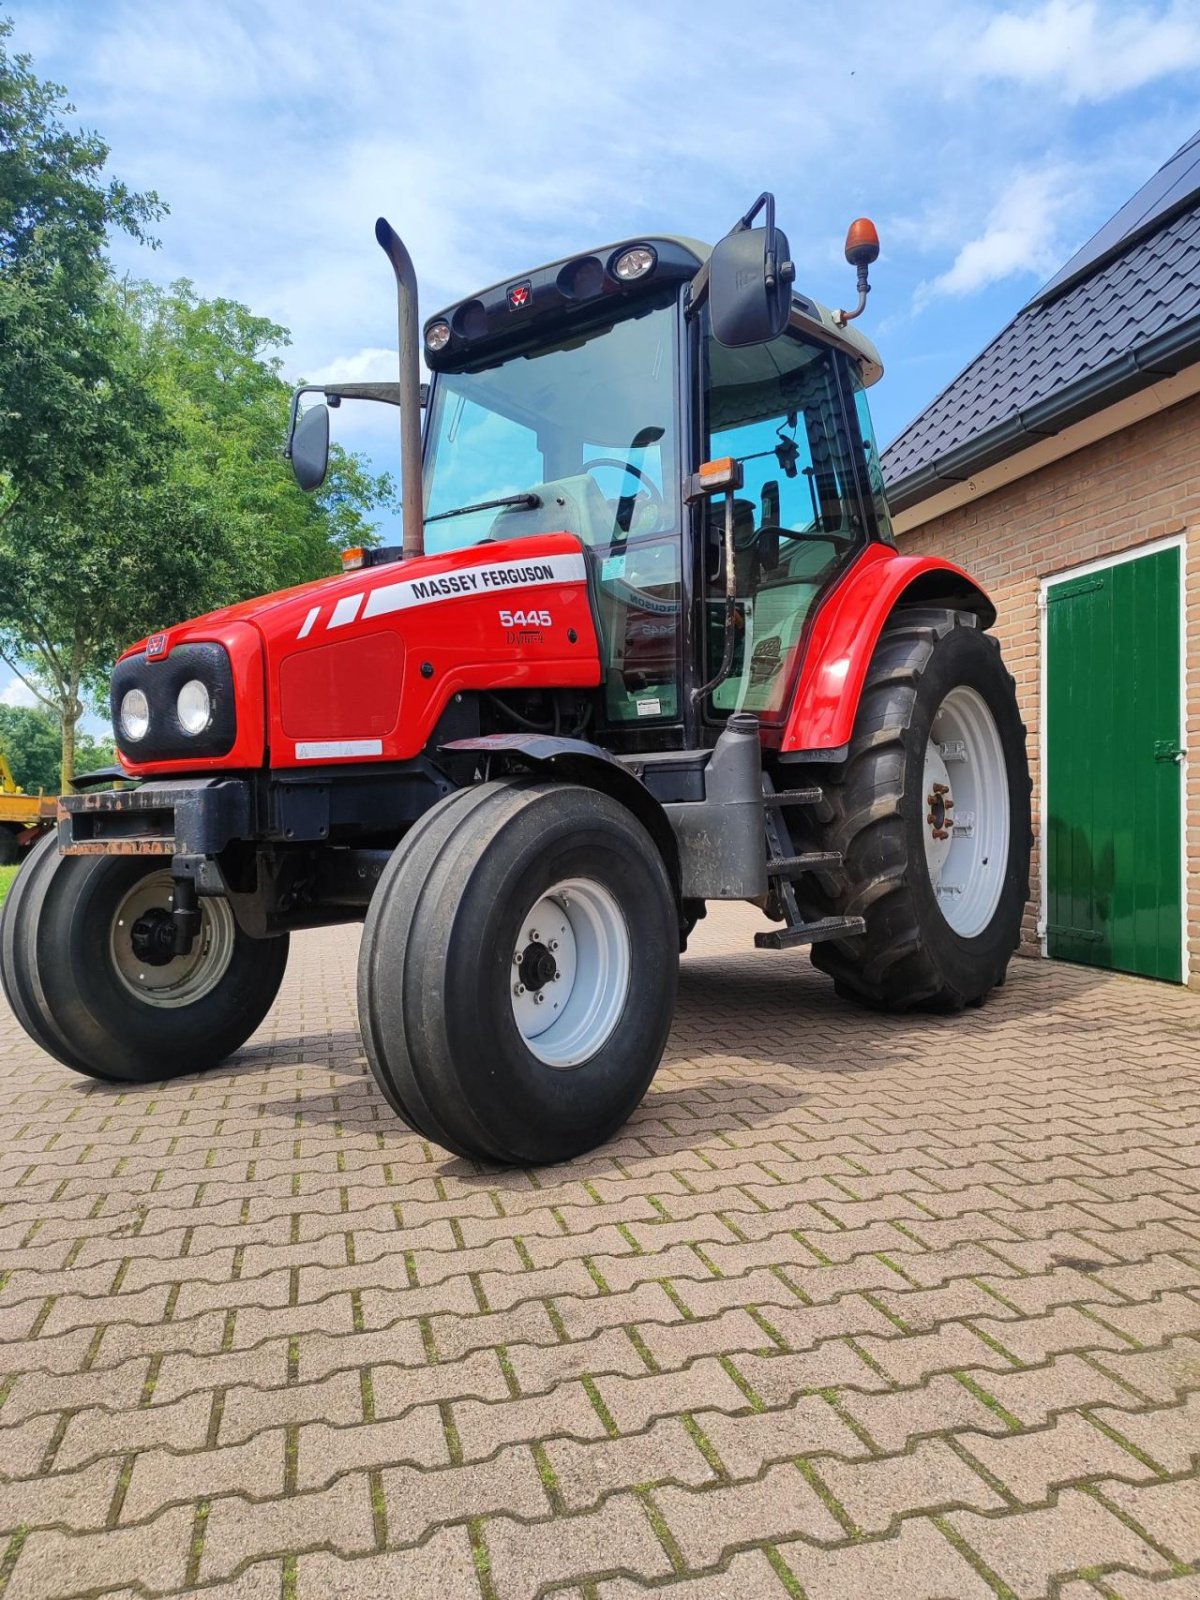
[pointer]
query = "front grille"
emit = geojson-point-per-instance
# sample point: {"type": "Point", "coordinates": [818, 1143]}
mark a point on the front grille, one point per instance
{"type": "Point", "coordinates": [160, 682]}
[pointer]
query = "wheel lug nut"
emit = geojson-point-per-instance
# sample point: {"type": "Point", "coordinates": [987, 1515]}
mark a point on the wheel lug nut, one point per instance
{"type": "Point", "coordinates": [533, 934]}
{"type": "Point", "coordinates": [520, 989]}
{"type": "Point", "coordinates": [553, 944]}
{"type": "Point", "coordinates": [538, 998]}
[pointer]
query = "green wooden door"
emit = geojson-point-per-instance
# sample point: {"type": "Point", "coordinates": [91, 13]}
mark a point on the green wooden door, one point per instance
{"type": "Point", "coordinates": [1113, 783]}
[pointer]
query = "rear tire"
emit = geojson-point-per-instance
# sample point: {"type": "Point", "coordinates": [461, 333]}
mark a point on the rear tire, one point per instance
{"type": "Point", "coordinates": [938, 720]}
{"type": "Point", "coordinates": [71, 973]}
{"type": "Point", "coordinates": [501, 894]}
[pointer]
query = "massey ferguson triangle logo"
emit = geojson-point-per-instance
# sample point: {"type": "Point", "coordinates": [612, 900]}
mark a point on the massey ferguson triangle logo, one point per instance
{"type": "Point", "coordinates": [156, 645]}
{"type": "Point", "coordinates": [520, 295]}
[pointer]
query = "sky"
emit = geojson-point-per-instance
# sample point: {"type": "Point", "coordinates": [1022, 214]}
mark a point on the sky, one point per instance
{"type": "Point", "coordinates": [986, 140]}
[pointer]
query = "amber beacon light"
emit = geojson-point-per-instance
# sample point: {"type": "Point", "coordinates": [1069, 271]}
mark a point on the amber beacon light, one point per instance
{"type": "Point", "coordinates": [862, 248]}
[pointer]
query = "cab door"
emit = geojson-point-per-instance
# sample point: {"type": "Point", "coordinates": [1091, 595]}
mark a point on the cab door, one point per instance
{"type": "Point", "coordinates": [781, 410]}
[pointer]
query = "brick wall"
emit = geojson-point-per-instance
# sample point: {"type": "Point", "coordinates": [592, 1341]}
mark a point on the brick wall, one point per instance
{"type": "Point", "coordinates": [1136, 486]}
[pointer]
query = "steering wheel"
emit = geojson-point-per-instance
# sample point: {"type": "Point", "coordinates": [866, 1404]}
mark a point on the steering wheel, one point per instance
{"type": "Point", "coordinates": [625, 502]}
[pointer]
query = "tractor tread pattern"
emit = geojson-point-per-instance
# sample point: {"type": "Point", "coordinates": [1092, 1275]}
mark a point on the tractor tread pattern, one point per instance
{"type": "Point", "coordinates": [889, 967]}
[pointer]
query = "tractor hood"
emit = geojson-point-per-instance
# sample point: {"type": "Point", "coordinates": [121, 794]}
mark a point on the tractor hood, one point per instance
{"type": "Point", "coordinates": [361, 666]}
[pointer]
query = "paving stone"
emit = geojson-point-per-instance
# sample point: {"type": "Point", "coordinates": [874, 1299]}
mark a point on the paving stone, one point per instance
{"type": "Point", "coordinates": [443, 1566]}
{"type": "Point", "coordinates": [918, 1563]}
{"type": "Point", "coordinates": [239, 1530]}
{"type": "Point", "coordinates": [586, 1472]}
{"type": "Point", "coordinates": [417, 1500]}
{"type": "Point", "coordinates": [323, 1451]}
{"type": "Point", "coordinates": [617, 1537]}
{"type": "Point", "coordinates": [78, 1501]}
{"type": "Point", "coordinates": [779, 1505]}
{"type": "Point", "coordinates": [931, 1477]}
{"type": "Point", "coordinates": [178, 1425]}
{"type": "Point", "coordinates": [1031, 1549]}
{"type": "Point", "coordinates": [161, 1477]}
{"type": "Point", "coordinates": [1169, 1435]}
{"type": "Point", "coordinates": [748, 1574]}
{"type": "Point", "coordinates": [1169, 1512]}
{"type": "Point", "coordinates": [153, 1555]}
{"type": "Point", "coordinates": [1070, 1450]}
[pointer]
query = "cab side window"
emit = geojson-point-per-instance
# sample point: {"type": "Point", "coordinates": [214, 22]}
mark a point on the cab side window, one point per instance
{"type": "Point", "coordinates": [777, 408]}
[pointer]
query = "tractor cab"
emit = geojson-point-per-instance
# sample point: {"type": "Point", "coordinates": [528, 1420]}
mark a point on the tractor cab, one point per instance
{"type": "Point", "coordinates": [585, 397]}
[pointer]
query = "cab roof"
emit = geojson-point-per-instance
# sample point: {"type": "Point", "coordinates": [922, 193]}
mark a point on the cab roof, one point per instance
{"type": "Point", "coordinates": [484, 320]}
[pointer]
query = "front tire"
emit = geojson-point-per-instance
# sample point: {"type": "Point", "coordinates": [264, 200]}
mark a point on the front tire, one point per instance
{"type": "Point", "coordinates": [81, 984]}
{"type": "Point", "coordinates": [500, 895]}
{"type": "Point", "coordinates": [931, 812]}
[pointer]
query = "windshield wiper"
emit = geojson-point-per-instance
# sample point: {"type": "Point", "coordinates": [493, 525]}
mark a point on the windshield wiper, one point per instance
{"type": "Point", "coordinates": [531, 502]}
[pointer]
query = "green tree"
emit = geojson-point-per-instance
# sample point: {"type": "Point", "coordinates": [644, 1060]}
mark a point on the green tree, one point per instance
{"type": "Point", "coordinates": [141, 476]}
{"type": "Point", "coordinates": [65, 410]}
{"type": "Point", "coordinates": [31, 740]}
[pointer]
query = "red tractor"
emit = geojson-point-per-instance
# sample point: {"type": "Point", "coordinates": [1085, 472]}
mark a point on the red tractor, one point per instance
{"type": "Point", "coordinates": [648, 643]}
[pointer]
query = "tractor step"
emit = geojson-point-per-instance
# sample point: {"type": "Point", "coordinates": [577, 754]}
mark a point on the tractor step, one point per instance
{"type": "Point", "coordinates": [797, 866]}
{"type": "Point", "coordinates": [793, 797]}
{"type": "Point", "coordinates": [810, 933]}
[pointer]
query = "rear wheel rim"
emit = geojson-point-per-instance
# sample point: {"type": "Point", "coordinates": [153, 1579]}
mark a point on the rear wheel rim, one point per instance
{"type": "Point", "coordinates": [965, 815]}
{"type": "Point", "coordinates": [183, 980]}
{"type": "Point", "coordinates": [570, 972]}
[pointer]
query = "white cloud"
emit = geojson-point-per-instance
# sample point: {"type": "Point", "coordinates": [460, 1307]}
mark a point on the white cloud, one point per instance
{"type": "Point", "coordinates": [16, 694]}
{"type": "Point", "coordinates": [1084, 51]}
{"type": "Point", "coordinates": [365, 366]}
{"type": "Point", "coordinates": [1022, 234]}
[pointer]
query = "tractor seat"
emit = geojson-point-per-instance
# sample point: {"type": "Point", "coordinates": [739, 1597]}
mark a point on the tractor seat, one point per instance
{"type": "Point", "coordinates": [569, 505]}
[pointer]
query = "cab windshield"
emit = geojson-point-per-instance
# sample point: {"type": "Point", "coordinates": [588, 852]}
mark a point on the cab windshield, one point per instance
{"type": "Point", "coordinates": [585, 430]}
{"type": "Point", "coordinates": [580, 436]}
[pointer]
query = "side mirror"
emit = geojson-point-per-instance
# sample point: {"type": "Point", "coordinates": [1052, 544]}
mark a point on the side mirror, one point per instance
{"type": "Point", "coordinates": [309, 448]}
{"type": "Point", "coordinates": [750, 286]}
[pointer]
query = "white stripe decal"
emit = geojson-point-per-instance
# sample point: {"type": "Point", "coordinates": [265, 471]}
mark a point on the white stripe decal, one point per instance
{"type": "Point", "coordinates": [330, 749]}
{"type": "Point", "coordinates": [501, 577]}
{"type": "Point", "coordinates": [345, 611]}
{"type": "Point", "coordinates": [307, 625]}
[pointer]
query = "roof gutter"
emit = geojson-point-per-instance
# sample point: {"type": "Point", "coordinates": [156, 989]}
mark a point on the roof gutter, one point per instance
{"type": "Point", "coordinates": [1160, 357]}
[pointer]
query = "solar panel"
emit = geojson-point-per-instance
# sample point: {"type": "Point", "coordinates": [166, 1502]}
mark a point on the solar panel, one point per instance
{"type": "Point", "coordinates": [1171, 187]}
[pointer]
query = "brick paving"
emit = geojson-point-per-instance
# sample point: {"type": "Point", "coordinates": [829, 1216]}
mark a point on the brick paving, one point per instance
{"type": "Point", "coordinates": [855, 1306]}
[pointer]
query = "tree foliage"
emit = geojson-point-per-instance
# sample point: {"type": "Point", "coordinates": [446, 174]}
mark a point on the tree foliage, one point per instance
{"type": "Point", "coordinates": [141, 473]}
{"type": "Point", "coordinates": [32, 741]}
{"type": "Point", "coordinates": [65, 405]}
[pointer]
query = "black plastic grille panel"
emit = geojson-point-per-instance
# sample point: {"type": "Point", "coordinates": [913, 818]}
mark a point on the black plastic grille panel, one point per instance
{"type": "Point", "coordinates": [161, 682]}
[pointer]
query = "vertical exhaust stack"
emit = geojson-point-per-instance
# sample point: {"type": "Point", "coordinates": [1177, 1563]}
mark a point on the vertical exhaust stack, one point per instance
{"type": "Point", "coordinates": [412, 496]}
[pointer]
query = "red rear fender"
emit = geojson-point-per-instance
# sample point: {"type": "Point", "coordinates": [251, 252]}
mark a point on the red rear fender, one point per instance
{"type": "Point", "coordinates": [847, 628]}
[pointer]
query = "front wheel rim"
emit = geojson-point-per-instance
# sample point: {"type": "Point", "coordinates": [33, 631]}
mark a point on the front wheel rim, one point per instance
{"type": "Point", "coordinates": [965, 814]}
{"type": "Point", "coordinates": [183, 980]}
{"type": "Point", "coordinates": [570, 972]}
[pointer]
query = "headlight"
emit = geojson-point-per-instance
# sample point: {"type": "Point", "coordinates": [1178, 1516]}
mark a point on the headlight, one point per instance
{"type": "Point", "coordinates": [135, 715]}
{"type": "Point", "coordinates": [437, 336]}
{"type": "Point", "coordinates": [193, 706]}
{"type": "Point", "coordinates": [635, 263]}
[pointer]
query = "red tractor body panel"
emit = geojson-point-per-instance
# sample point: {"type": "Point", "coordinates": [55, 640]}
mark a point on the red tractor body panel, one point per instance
{"type": "Point", "coordinates": [842, 639]}
{"type": "Point", "coordinates": [359, 668]}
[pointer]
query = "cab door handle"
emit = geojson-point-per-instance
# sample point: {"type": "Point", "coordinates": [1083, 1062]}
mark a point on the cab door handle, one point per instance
{"type": "Point", "coordinates": [1168, 750]}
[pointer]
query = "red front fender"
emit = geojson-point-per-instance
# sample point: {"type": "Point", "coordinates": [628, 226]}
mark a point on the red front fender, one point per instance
{"type": "Point", "coordinates": [845, 631]}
